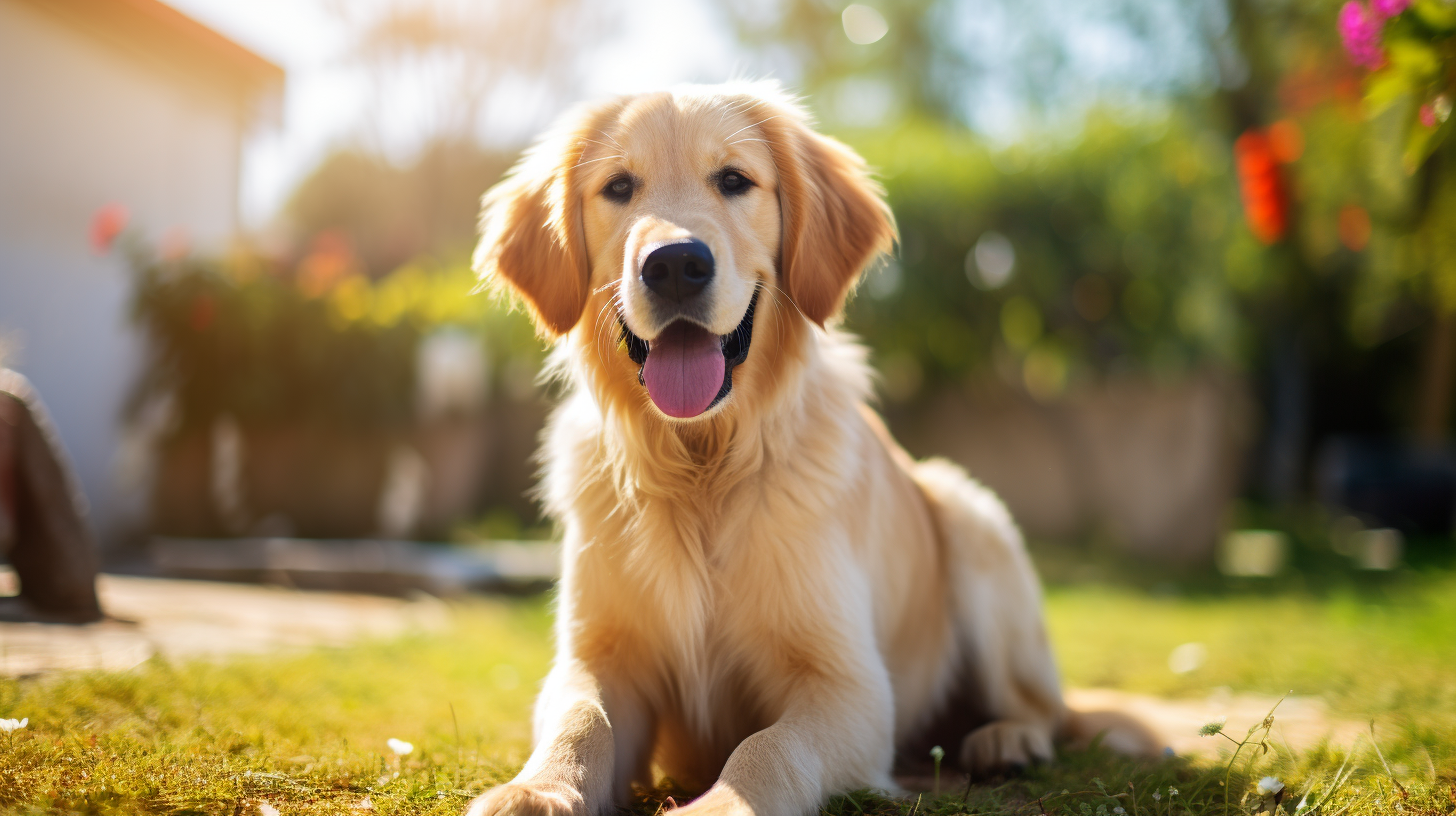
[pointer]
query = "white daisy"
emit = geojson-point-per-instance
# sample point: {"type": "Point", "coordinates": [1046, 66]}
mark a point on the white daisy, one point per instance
{"type": "Point", "coordinates": [1269, 785]}
{"type": "Point", "coordinates": [400, 747]}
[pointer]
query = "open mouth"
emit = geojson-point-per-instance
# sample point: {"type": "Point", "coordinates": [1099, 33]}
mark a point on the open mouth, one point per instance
{"type": "Point", "coordinates": [687, 369]}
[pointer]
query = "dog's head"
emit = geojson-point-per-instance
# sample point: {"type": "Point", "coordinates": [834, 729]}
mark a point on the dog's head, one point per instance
{"type": "Point", "coordinates": [664, 229]}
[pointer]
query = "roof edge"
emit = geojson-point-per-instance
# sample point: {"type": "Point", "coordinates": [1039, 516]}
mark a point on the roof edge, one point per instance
{"type": "Point", "coordinates": [254, 66]}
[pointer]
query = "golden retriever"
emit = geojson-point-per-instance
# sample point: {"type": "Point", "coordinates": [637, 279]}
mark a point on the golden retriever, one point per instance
{"type": "Point", "coordinates": [762, 595]}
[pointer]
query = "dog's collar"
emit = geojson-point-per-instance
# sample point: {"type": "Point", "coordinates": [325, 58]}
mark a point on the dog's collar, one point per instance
{"type": "Point", "coordinates": [734, 345]}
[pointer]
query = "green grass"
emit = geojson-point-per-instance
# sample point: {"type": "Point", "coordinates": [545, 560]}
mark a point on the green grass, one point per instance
{"type": "Point", "coordinates": [1369, 656]}
{"type": "Point", "coordinates": [307, 732]}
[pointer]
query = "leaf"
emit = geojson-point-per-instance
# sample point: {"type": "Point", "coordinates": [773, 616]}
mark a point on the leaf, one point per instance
{"type": "Point", "coordinates": [1418, 60]}
{"type": "Point", "coordinates": [1421, 142]}
{"type": "Point", "coordinates": [1384, 88]}
{"type": "Point", "coordinates": [1437, 14]}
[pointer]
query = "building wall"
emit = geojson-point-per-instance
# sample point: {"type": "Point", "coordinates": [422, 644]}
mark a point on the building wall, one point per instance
{"type": "Point", "coordinates": [87, 122]}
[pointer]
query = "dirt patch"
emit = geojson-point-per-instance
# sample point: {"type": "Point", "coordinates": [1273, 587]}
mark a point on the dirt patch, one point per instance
{"type": "Point", "coordinates": [1299, 722]}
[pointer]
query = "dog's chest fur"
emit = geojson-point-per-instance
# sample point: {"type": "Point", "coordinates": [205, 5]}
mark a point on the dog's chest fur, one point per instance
{"type": "Point", "coordinates": [700, 613]}
{"type": "Point", "coordinates": [708, 623]}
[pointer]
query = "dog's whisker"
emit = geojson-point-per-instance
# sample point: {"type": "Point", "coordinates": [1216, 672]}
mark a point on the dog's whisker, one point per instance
{"type": "Point", "coordinates": [600, 332]}
{"type": "Point", "coordinates": [597, 323]}
{"type": "Point", "coordinates": [623, 150]}
{"type": "Point", "coordinates": [735, 107]}
{"type": "Point", "coordinates": [600, 158]}
{"type": "Point", "coordinates": [746, 127]}
{"type": "Point", "coordinates": [604, 315]}
{"type": "Point", "coordinates": [612, 139]}
{"type": "Point", "coordinates": [789, 299]}
{"type": "Point", "coordinates": [613, 309]}
{"type": "Point", "coordinates": [608, 312]}
{"type": "Point", "coordinates": [739, 106]}
{"type": "Point", "coordinates": [779, 328]}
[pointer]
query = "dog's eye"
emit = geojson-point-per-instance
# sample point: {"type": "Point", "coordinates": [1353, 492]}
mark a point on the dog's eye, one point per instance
{"type": "Point", "coordinates": [619, 189]}
{"type": "Point", "coordinates": [732, 182]}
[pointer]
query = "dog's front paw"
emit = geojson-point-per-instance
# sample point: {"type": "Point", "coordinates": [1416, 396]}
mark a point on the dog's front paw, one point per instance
{"type": "Point", "coordinates": [720, 800]}
{"type": "Point", "coordinates": [1005, 745]}
{"type": "Point", "coordinates": [526, 799]}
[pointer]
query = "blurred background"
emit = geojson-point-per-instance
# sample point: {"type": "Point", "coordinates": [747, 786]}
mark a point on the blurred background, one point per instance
{"type": "Point", "coordinates": [1176, 277]}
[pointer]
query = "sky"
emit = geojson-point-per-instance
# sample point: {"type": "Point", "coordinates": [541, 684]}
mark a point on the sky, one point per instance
{"type": "Point", "coordinates": [329, 102]}
{"type": "Point", "coordinates": [332, 102]}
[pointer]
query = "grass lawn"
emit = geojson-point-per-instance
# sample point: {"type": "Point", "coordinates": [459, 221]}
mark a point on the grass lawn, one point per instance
{"type": "Point", "coordinates": [307, 733]}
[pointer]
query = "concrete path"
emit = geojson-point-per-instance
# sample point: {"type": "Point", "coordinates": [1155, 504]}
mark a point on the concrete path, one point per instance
{"type": "Point", "coordinates": [181, 619]}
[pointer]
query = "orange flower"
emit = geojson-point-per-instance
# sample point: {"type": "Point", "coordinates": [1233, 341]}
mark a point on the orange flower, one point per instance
{"type": "Point", "coordinates": [1262, 186]}
{"type": "Point", "coordinates": [329, 261]}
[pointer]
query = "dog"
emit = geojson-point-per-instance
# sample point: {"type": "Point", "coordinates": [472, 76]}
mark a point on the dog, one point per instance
{"type": "Point", "coordinates": [762, 595]}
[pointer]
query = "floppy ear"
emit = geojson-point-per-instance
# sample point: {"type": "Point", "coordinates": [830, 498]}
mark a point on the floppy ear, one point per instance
{"type": "Point", "coordinates": [531, 235]}
{"type": "Point", "coordinates": [835, 220]}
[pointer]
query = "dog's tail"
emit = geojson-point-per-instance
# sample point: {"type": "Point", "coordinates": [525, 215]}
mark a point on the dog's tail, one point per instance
{"type": "Point", "coordinates": [1116, 731]}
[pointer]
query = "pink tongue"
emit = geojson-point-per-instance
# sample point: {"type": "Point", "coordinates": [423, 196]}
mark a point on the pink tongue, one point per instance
{"type": "Point", "coordinates": [684, 370]}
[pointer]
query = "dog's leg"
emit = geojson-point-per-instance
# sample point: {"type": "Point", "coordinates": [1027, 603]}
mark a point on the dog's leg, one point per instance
{"type": "Point", "coordinates": [583, 734]}
{"type": "Point", "coordinates": [1006, 656]}
{"type": "Point", "coordinates": [832, 738]}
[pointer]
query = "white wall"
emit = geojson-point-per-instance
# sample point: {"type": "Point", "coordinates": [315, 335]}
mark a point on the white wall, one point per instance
{"type": "Point", "coordinates": [83, 123]}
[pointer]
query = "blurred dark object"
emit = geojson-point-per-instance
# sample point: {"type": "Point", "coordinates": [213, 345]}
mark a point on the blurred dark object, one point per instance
{"type": "Point", "coordinates": [1387, 483]}
{"type": "Point", "coordinates": [42, 527]}
{"type": "Point", "coordinates": [319, 480]}
{"type": "Point", "coordinates": [1150, 466]}
{"type": "Point", "coordinates": [383, 567]}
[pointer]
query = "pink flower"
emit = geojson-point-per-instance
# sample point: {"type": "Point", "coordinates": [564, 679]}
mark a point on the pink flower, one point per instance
{"type": "Point", "coordinates": [1360, 31]}
{"type": "Point", "coordinates": [1428, 115]}
{"type": "Point", "coordinates": [106, 225]}
{"type": "Point", "coordinates": [1389, 8]}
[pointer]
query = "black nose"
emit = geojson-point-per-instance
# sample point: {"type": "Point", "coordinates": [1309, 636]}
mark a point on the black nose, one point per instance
{"type": "Point", "coordinates": [678, 270]}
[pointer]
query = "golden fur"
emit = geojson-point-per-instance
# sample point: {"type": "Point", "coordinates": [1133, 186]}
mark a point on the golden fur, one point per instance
{"type": "Point", "coordinates": [766, 601]}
